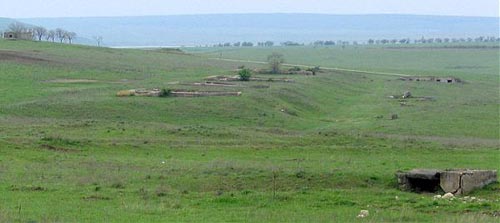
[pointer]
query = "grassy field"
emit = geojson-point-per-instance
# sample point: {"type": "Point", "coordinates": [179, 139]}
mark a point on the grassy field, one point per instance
{"type": "Point", "coordinates": [317, 150]}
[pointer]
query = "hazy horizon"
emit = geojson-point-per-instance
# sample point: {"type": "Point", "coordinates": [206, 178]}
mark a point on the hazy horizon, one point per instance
{"type": "Point", "coordinates": [130, 8]}
{"type": "Point", "coordinates": [187, 30]}
{"type": "Point", "coordinates": [255, 13]}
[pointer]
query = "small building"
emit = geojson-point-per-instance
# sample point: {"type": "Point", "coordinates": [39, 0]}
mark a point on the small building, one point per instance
{"type": "Point", "coordinates": [18, 35]}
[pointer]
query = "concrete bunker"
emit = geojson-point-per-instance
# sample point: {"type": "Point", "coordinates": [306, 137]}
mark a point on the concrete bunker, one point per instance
{"type": "Point", "coordinates": [449, 80]}
{"type": "Point", "coordinates": [455, 181]}
{"type": "Point", "coordinates": [18, 35]}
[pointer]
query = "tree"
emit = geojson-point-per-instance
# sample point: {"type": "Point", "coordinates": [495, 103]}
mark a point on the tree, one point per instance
{"type": "Point", "coordinates": [98, 39]}
{"type": "Point", "coordinates": [247, 44]}
{"type": "Point", "coordinates": [269, 43]}
{"type": "Point", "coordinates": [51, 35]}
{"type": "Point", "coordinates": [290, 43]}
{"type": "Point", "coordinates": [275, 60]}
{"type": "Point", "coordinates": [319, 43]}
{"type": "Point", "coordinates": [245, 74]}
{"type": "Point", "coordinates": [17, 27]}
{"type": "Point", "coordinates": [60, 34]}
{"type": "Point", "coordinates": [39, 32]}
{"type": "Point", "coordinates": [70, 36]}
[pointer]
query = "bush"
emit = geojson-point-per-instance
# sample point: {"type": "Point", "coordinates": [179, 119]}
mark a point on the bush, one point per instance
{"type": "Point", "coordinates": [314, 70]}
{"type": "Point", "coordinates": [245, 74]}
{"type": "Point", "coordinates": [165, 92]}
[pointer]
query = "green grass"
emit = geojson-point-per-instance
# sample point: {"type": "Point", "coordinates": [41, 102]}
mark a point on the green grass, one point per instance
{"type": "Point", "coordinates": [74, 152]}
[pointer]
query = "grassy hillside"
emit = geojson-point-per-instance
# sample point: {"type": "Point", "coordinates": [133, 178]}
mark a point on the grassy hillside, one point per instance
{"type": "Point", "coordinates": [477, 66]}
{"type": "Point", "coordinates": [313, 150]}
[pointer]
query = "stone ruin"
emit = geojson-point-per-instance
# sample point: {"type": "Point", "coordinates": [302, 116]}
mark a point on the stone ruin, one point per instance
{"type": "Point", "coordinates": [237, 78]}
{"type": "Point", "coordinates": [455, 181]}
{"type": "Point", "coordinates": [433, 79]}
{"type": "Point", "coordinates": [214, 84]}
{"type": "Point", "coordinates": [176, 93]}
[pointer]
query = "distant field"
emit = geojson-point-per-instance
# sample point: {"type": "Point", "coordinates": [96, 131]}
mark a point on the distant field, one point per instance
{"type": "Point", "coordinates": [320, 149]}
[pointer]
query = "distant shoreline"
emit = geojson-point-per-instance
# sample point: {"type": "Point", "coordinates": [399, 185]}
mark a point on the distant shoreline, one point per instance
{"type": "Point", "coordinates": [149, 47]}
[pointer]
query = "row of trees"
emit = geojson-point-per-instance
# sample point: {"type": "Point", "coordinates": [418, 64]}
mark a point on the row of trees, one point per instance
{"type": "Point", "coordinates": [480, 39]}
{"type": "Point", "coordinates": [40, 33]}
{"type": "Point", "coordinates": [237, 44]}
{"type": "Point", "coordinates": [260, 44]}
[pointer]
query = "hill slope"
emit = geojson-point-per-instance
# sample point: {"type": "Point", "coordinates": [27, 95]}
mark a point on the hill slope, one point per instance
{"type": "Point", "coordinates": [323, 147]}
{"type": "Point", "coordinates": [187, 30]}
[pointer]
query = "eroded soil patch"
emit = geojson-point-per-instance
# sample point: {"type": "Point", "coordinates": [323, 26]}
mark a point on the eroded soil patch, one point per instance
{"type": "Point", "coordinates": [71, 81]}
{"type": "Point", "coordinates": [57, 149]}
{"type": "Point", "coordinates": [20, 57]}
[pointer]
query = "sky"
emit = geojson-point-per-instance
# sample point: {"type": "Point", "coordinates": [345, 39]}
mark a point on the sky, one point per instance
{"type": "Point", "coordinates": [91, 8]}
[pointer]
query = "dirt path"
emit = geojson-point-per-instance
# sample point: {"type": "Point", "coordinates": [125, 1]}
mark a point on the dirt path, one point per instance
{"type": "Point", "coordinates": [450, 141]}
{"type": "Point", "coordinates": [324, 68]}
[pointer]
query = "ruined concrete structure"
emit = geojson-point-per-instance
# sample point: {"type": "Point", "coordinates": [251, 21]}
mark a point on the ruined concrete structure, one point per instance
{"type": "Point", "coordinates": [17, 35]}
{"type": "Point", "coordinates": [457, 181]}
{"type": "Point", "coordinates": [204, 93]}
{"type": "Point", "coordinates": [175, 93]}
{"type": "Point", "coordinates": [433, 79]}
{"type": "Point", "coordinates": [215, 84]}
{"type": "Point", "coordinates": [237, 78]}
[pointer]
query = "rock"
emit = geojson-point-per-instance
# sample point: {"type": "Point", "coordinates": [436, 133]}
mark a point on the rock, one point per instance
{"type": "Point", "coordinates": [448, 196]}
{"type": "Point", "coordinates": [363, 214]}
{"type": "Point", "coordinates": [407, 94]}
{"type": "Point", "coordinates": [438, 196]}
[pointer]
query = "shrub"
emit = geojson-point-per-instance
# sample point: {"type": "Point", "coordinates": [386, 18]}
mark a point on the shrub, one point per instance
{"type": "Point", "coordinates": [165, 92]}
{"type": "Point", "coordinates": [275, 60]}
{"type": "Point", "coordinates": [314, 70]}
{"type": "Point", "coordinates": [245, 74]}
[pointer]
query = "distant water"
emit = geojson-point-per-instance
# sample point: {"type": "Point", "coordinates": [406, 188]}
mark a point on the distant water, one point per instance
{"type": "Point", "coordinates": [196, 30]}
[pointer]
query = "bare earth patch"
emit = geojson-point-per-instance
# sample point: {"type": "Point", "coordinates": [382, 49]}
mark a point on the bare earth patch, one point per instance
{"type": "Point", "coordinates": [20, 57]}
{"type": "Point", "coordinates": [71, 81]}
{"type": "Point", "coordinates": [57, 149]}
{"type": "Point", "coordinates": [450, 141]}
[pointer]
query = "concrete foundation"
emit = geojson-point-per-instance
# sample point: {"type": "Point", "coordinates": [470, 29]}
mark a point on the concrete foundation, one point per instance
{"type": "Point", "coordinates": [458, 181]}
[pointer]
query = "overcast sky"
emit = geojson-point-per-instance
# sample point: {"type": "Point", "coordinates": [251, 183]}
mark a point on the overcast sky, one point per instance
{"type": "Point", "coordinates": [85, 8]}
